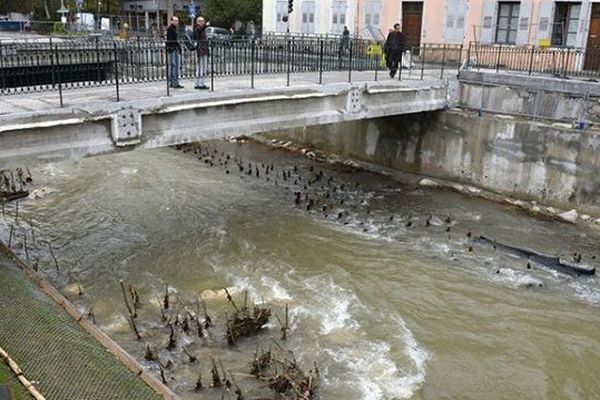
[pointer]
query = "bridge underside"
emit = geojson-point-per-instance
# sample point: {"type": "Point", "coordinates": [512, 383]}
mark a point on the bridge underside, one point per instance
{"type": "Point", "coordinates": [52, 135]}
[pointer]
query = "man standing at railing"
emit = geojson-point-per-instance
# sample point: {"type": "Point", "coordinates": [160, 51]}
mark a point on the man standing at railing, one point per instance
{"type": "Point", "coordinates": [173, 52]}
{"type": "Point", "coordinates": [394, 47]}
{"type": "Point", "coordinates": [202, 52]}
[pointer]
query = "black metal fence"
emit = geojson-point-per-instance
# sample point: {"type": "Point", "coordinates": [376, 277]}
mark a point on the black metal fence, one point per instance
{"type": "Point", "coordinates": [555, 61]}
{"type": "Point", "coordinates": [94, 62]}
{"type": "Point", "coordinates": [26, 67]}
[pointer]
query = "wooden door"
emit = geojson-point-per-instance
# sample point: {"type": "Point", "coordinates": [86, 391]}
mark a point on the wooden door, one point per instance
{"type": "Point", "coordinates": [412, 19]}
{"type": "Point", "coordinates": [592, 55]}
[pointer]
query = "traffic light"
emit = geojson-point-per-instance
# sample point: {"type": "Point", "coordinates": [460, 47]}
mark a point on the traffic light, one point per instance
{"type": "Point", "coordinates": [290, 6]}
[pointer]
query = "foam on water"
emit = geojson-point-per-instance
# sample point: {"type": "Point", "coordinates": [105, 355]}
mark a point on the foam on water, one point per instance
{"type": "Point", "coordinates": [371, 368]}
{"type": "Point", "coordinates": [277, 291]}
{"type": "Point", "coordinates": [586, 293]}
{"type": "Point", "coordinates": [516, 278]}
{"type": "Point", "coordinates": [332, 304]}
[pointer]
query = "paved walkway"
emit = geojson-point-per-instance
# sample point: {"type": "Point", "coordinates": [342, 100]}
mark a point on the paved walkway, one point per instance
{"type": "Point", "coordinates": [35, 101]}
{"type": "Point", "coordinates": [54, 351]}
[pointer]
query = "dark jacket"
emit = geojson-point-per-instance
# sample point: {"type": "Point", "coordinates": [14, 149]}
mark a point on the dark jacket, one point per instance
{"type": "Point", "coordinates": [201, 40]}
{"type": "Point", "coordinates": [172, 39]}
{"type": "Point", "coordinates": [395, 43]}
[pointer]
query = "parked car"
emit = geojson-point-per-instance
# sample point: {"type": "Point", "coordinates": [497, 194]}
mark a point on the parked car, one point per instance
{"type": "Point", "coordinates": [218, 34]}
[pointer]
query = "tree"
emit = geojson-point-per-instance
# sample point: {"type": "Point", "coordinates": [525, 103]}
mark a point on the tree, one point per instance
{"type": "Point", "coordinates": [225, 12]}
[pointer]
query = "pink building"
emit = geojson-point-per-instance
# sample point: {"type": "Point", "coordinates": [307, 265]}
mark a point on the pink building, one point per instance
{"type": "Point", "coordinates": [525, 22]}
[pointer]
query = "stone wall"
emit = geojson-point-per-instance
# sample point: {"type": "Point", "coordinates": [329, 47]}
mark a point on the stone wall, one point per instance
{"type": "Point", "coordinates": [549, 163]}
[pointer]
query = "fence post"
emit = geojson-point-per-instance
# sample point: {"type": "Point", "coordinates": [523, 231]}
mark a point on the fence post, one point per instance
{"type": "Point", "coordinates": [400, 66]}
{"type": "Point", "coordinates": [565, 58]}
{"type": "Point", "coordinates": [212, 65]}
{"type": "Point", "coordinates": [167, 71]}
{"type": "Point", "coordinates": [459, 60]}
{"type": "Point", "coordinates": [116, 70]}
{"type": "Point", "coordinates": [97, 59]}
{"type": "Point", "coordinates": [350, 63]}
{"type": "Point", "coordinates": [468, 65]}
{"type": "Point", "coordinates": [321, 61]}
{"type": "Point", "coordinates": [531, 59]}
{"type": "Point", "coordinates": [498, 59]}
{"type": "Point", "coordinates": [423, 62]}
{"type": "Point", "coordinates": [58, 75]}
{"type": "Point", "coordinates": [252, 49]}
{"type": "Point", "coordinates": [443, 60]}
{"type": "Point", "coordinates": [2, 72]}
{"type": "Point", "coordinates": [377, 61]}
{"type": "Point", "coordinates": [289, 50]}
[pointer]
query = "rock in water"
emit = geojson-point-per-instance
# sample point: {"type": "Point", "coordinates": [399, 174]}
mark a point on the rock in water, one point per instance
{"type": "Point", "coordinates": [569, 216]}
{"type": "Point", "coordinates": [428, 183]}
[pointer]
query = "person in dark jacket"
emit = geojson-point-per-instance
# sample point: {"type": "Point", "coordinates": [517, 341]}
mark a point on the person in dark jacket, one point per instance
{"type": "Point", "coordinates": [173, 52]}
{"type": "Point", "coordinates": [201, 51]}
{"type": "Point", "coordinates": [394, 47]}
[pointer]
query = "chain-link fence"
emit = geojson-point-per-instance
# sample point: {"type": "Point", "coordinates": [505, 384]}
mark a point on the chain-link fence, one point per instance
{"type": "Point", "coordinates": [63, 360]}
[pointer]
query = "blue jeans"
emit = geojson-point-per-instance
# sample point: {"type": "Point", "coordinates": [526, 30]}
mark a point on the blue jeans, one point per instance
{"type": "Point", "coordinates": [174, 68]}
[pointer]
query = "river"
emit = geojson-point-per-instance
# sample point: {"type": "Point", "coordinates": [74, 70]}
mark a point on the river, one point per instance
{"type": "Point", "coordinates": [392, 299]}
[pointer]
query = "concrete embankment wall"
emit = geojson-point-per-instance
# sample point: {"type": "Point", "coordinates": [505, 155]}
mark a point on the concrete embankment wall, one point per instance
{"type": "Point", "coordinates": [531, 96]}
{"type": "Point", "coordinates": [549, 163]}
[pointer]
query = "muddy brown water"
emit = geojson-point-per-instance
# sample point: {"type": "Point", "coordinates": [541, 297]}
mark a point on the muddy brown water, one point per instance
{"type": "Point", "coordinates": [386, 310]}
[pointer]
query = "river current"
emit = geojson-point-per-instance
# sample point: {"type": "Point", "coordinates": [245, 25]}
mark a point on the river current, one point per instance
{"type": "Point", "coordinates": [389, 292]}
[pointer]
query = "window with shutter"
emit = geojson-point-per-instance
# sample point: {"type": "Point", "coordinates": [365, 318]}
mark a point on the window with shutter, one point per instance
{"type": "Point", "coordinates": [566, 23]}
{"type": "Point", "coordinates": [508, 22]}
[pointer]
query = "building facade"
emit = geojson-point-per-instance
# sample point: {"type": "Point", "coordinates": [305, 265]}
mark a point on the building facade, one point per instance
{"type": "Point", "coordinates": [525, 22]}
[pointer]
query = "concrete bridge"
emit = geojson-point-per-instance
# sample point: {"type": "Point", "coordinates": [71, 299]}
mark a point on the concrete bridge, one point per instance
{"type": "Point", "coordinates": [33, 132]}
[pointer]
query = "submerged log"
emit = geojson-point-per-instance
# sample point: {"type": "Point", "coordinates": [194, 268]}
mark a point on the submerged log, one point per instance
{"type": "Point", "coordinates": [552, 262]}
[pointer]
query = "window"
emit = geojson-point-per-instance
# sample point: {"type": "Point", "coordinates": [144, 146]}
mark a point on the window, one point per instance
{"type": "Point", "coordinates": [372, 12]}
{"type": "Point", "coordinates": [338, 10]}
{"type": "Point", "coordinates": [281, 6]}
{"type": "Point", "coordinates": [508, 22]}
{"type": "Point", "coordinates": [308, 16]}
{"type": "Point", "coordinates": [566, 23]}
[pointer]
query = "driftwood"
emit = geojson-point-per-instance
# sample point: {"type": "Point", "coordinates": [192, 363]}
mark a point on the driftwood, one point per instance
{"type": "Point", "coordinates": [244, 323]}
{"type": "Point", "coordinates": [11, 196]}
{"type": "Point", "coordinates": [285, 377]}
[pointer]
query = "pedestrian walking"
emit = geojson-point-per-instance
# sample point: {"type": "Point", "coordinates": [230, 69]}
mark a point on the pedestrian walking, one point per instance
{"type": "Point", "coordinates": [202, 52]}
{"type": "Point", "coordinates": [173, 53]}
{"type": "Point", "coordinates": [345, 44]}
{"type": "Point", "coordinates": [393, 49]}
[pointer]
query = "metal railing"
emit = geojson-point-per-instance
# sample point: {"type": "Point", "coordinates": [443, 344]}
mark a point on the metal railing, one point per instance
{"type": "Point", "coordinates": [554, 61]}
{"type": "Point", "coordinates": [95, 62]}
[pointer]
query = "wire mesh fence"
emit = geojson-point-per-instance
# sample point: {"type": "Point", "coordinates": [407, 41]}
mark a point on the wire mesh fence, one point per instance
{"type": "Point", "coordinates": [65, 362]}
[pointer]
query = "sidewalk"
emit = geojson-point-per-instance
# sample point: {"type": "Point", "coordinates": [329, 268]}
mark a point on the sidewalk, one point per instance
{"type": "Point", "coordinates": [72, 98]}
{"type": "Point", "coordinates": [63, 361]}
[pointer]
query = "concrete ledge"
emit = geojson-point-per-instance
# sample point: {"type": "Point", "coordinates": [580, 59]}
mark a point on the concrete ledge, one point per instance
{"type": "Point", "coordinates": [34, 137]}
{"type": "Point", "coordinates": [531, 82]}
